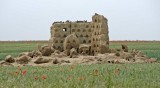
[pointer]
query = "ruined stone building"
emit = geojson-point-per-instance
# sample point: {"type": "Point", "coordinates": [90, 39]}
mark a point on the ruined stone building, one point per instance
{"type": "Point", "coordinates": [89, 37]}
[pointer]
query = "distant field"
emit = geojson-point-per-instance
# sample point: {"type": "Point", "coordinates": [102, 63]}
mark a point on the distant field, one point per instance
{"type": "Point", "coordinates": [152, 48]}
{"type": "Point", "coordinates": [15, 48]}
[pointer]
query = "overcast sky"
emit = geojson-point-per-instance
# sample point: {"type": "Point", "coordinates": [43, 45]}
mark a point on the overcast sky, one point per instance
{"type": "Point", "coordinates": [127, 19]}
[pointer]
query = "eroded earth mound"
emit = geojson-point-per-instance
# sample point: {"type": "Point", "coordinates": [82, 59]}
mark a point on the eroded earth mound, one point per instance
{"type": "Point", "coordinates": [48, 56]}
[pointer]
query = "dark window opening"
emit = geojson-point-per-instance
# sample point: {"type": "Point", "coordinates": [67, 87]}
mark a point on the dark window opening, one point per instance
{"type": "Point", "coordinates": [84, 41]}
{"type": "Point", "coordinates": [78, 30]}
{"type": "Point", "coordinates": [93, 39]}
{"type": "Point", "coordinates": [73, 30]}
{"type": "Point", "coordinates": [61, 41]}
{"type": "Point", "coordinates": [95, 20]}
{"type": "Point", "coordinates": [89, 41]}
{"type": "Point", "coordinates": [81, 35]}
{"type": "Point", "coordinates": [64, 29]}
{"type": "Point", "coordinates": [87, 36]}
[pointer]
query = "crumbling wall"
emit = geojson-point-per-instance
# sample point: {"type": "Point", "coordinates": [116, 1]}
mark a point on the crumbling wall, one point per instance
{"type": "Point", "coordinates": [100, 38]}
{"type": "Point", "coordinates": [71, 41]}
{"type": "Point", "coordinates": [83, 31]}
{"type": "Point", "coordinates": [94, 33]}
{"type": "Point", "coordinates": [59, 31]}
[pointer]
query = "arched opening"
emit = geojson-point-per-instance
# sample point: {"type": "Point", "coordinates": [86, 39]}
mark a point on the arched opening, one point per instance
{"type": "Point", "coordinates": [64, 29]}
{"type": "Point", "coordinates": [89, 30]}
{"type": "Point", "coordinates": [81, 35]}
{"type": "Point", "coordinates": [89, 41]}
{"type": "Point", "coordinates": [96, 39]}
{"type": "Point", "coordinates": [84, 41]}
{"type": "Point", "coordinates": [61, 41]}
{"type": "Point", "coordinates": [73, 30]}
{"type": "Point", "coordinates": [87, 36]}
{"type": "Point", "coordinates": [95, 33]}
{"type": "Point", "coordinates": [95, 20]}
{"type": "Point", "coordinates": [93, 52]}
{"type": "Point", "coordinates": [94, 45]}
{"type": "Point", "coordinates": [93, 39]}
{"type": "Point", "coordinates": [78, 30]}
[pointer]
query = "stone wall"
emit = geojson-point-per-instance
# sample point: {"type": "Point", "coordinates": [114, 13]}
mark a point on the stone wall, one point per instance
{"type": "Point", "coordinates": [94, 33]}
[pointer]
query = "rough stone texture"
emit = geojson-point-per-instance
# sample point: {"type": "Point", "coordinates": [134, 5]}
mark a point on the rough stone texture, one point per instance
{"type": "Point", "coordinates": [94, 33]}
{"type": "Point", "coordinates": [124, 48]}
{"type": "Point", "coordinates": [84, 49]}
{"type": "Point", "coordinates": [56, 61]}
{"type": "Point", "coordinates": [71, 41]}
{"type": "Point", "coordinates": [23, 59]}
{"type": "Point", "coordinates": [41, 60]}
{"type": "Point", "coordinates": [152, 60]}
{"type": "Point", "coordinates": [4, 63]}
{"type": "Point", "coordinates": [9, 59]}
{"type": "Point", "coordinates": [46, 50]}
{"type": "Point", "coordinates": [73, 53]}
{"type": "Point", "coordinates": [30, 54]}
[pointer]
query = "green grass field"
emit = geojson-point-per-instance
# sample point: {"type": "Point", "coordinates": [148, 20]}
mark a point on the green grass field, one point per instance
{"type": "Point", "coordinates": [81, 76]}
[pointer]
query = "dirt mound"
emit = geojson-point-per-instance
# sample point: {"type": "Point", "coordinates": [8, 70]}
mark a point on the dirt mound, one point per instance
{"type": "Point", "coordinates": [73, 53]}
{"type": "Point", "coordinates": [48, 56]}
{"type": "Point", "coordinates": [125, 48]}
{"type": "Point", "coordinates": [71, 41]}
{"type": "Point", "coordinates": [40, 60]}
{"type": "Point", "coordinates": [23, 59]}
{"type": "Point", "coordinates": [9, 59]}
{"type": "Point", "coordinates": [46, 50]}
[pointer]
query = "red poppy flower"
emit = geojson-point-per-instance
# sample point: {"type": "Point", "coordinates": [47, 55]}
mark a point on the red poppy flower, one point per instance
{"type": "Point", "coordinates": [96, 71]}
{"type": "Point", "coordinates": [44, 76]}
{"type": "Point", "coordinates": [24, 72]}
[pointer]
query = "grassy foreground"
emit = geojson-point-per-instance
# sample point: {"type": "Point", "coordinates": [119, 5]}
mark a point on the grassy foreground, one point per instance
{"type": "Point", "coordinates": [81, 76]}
